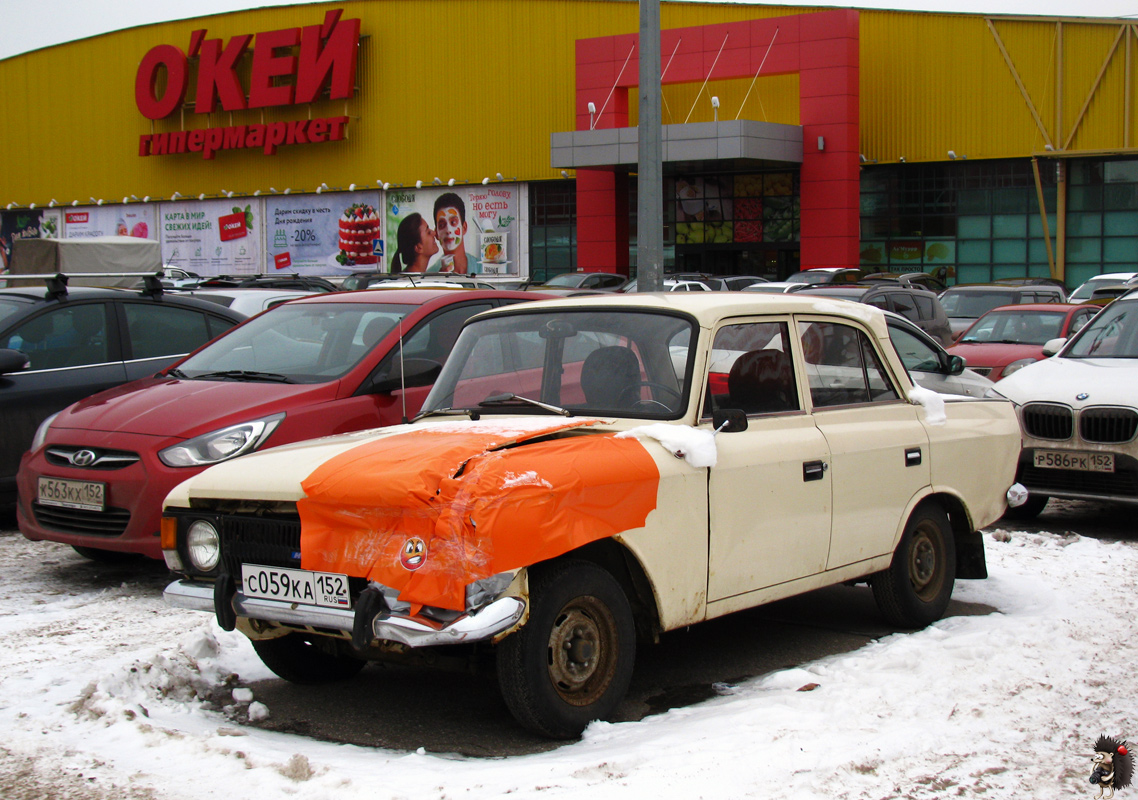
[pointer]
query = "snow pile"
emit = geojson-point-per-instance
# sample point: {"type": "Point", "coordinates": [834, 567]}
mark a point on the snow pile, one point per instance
{"type": "Point", "coordinates": [931, 402]}
{"type": "Point", "coordinates": [695, 446]}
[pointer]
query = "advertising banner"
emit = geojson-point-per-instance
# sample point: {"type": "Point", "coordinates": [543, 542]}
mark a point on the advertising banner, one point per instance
{"type": "Point", "coordinates": [213, 237]}
{"type": "Point", "coordinates": [324, 234]}
{"type": "Point", "coordinates": [87, 222]}
{"type": "Point", "coordinates": [21, 224]}
{"type": "Point", "coordinates": [467, 229]}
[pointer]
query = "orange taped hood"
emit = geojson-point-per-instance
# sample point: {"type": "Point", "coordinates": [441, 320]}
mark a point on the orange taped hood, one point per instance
{"type": "Point", "coordinates": [429, 511]}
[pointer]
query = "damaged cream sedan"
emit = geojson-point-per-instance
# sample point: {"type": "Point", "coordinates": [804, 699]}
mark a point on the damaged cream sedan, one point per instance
{"type": "Point", "coordinates": [589, 473]}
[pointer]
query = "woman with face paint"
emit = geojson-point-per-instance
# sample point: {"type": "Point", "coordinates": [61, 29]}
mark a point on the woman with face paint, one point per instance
{"type": "Point", "coordinates": [416, 244]}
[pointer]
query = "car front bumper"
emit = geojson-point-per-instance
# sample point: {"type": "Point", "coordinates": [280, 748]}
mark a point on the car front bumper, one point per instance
{"type": "Point", "coordinates": [413, 631]}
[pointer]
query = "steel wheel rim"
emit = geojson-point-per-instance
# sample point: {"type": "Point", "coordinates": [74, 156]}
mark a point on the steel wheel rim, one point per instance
{"type": "Point", "coordinates": [925, 556]}
{"type": "Point", "coordinates": [581, 651]}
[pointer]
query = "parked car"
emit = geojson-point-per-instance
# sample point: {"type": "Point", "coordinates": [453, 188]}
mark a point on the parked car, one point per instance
{"type": "Point", "coordinates": [966, 303]}
{"type": "Point", "coordinates": [670, 285]}
{"type": "Point", "coordinates": [922, 280]}
{"type": "Point", "coordinates": [1079, 414]}
{"type": "Point", "coordinates": [62, 344]}
{"type": "Point", "coordinates": [583, 280]}
{"type": "Point", "coordinates": [97, 472]}
{"type": "Point", "coordinates": [564, 491]}
{"type": "Point", "coordinates": [365, 280]}
{"type": "Point", "coordinates": [775, 287]}
{"type": "Point", "coordinates": [826, 275]}
{"type": "Point", "coordinates": [929, 365]}
{"type": "Point", "coordinates": [1084, 290]}
{"type": "Point", "coordinates": [311, 283]}
{"type": "Point", "coordinates": [1009, 338]}
{"type": "Point", "coordinates": [247, 301]}
{"type": "Point", "coordinates": [918, 305]}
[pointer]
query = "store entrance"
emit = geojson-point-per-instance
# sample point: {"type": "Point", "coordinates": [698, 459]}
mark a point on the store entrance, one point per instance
{"type": "Point", "coordinates": [771, 261]}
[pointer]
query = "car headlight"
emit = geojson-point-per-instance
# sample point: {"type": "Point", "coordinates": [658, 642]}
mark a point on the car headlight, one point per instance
{"type": "Point", "coordinates": [203, 545]}
{"type": "Point", "coordinates": [41, 432]}
{"type": "Point", "coordinates": [219, 445]}
{"type": "Point", "coordinates": [1016, 366]}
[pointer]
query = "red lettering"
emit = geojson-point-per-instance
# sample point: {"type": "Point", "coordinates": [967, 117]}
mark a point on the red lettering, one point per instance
{"type": "Point", "coordinates": [332, 66]}
{"type": "Point", "coordinates": [173, 60]}
{"type": "Point", "coordinates": [144, 145]}
{"type": "Point", "coordinates": [217, 76]}
{"type": "Point", "coordinates": [159, 144]}
{"type": "Point", "coordinates": [267, 66]}
{"type": "Point", "coordinates": [274, 135]}
{"type": "Point", "coordinates": [318, 130]}
{"type": "Point", "coordinates": [234, 137]}
{"type": "Point", "coordinates": [213, 139]}
{"type": "Point", "coordinates": [256, 136]}
{"type": "Point", "coordinates": [177, 142]}
{"type": "Point", "coordinates": [296, 132]}
{"type": "Point", "coordinates": [337, 128]}
{"type": "Point", "coordinates": [195, 140]}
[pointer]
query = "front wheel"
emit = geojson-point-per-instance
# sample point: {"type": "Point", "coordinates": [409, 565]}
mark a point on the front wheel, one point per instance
{"type": "Point", "coordinates": [306, 659]}
{"type": "Point", "coordinates": [571, 663]}
{"type": "Point", "coordinates": [914, 591]}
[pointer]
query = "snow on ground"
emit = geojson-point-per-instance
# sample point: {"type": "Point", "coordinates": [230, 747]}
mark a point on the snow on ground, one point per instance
{"type": "Point", "coordinates": [109, 694]}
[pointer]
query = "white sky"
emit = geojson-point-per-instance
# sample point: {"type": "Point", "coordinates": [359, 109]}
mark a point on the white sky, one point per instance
{"type": "Point", "coordinates": [25, 26]}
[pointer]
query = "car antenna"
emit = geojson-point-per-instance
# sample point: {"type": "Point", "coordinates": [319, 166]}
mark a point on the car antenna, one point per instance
{"type": "Point", "coordinates": [402, 377]}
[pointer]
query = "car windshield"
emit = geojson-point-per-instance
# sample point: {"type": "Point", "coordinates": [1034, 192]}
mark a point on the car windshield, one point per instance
{"type": "Point", "coordinates": [973, 305]}
{"type": "Point", "coordinates": [810, 276]}
{"type": "Point", "coordinates": [299, 343]}
{"type": "Point", "coordinates": [1084, 292]}
{"type": "Point", "coordinates": [1016, 327]}
{"type": "Point", "coordinates": [1113, 333]}
{"type": "Point", "coordinates": [608, 362]}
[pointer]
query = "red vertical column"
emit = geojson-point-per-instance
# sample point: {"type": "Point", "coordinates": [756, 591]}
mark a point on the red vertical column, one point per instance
{"type": "Point", "coordinates": [828, 112]}
{"type": "Point", "coordinates": [602, 220]}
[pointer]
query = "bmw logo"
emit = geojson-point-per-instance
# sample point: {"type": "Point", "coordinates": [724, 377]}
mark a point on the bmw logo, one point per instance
{"type": "Point", "coordinates": [83, 458]}
{"type": "Point", "coordinates": [1082, 396]}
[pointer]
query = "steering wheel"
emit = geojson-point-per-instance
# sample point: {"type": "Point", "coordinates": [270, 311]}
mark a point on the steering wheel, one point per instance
{"type": "Point", "coordinates": [626, 392]}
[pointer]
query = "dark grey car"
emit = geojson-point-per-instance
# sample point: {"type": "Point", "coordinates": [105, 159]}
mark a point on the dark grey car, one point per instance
{"type": "Point", "coordinates": [919, 306]}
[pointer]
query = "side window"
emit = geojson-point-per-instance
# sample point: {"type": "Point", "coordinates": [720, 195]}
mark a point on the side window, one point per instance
{"type": "Point", "coordinates": [218, 325]}
{"type": "Point", "coordinates": [159, 330]}
{"type": "Point", "coordinates": [843, 367]}
{"type": "Point", "coordinates": [924, 307]}
{"type": "Point", "coordinates": [751, 369]}
{"type": "Point", "coordinates": [69, 336]}
{"type": "Point", "coordinates": [879, 301]}
{"type": "Point", "coordinates": [903, 305]}
{"type": "Point", "coordinates": [1079, 320]}
{"type": "Point", "coordinates": [435, 337]}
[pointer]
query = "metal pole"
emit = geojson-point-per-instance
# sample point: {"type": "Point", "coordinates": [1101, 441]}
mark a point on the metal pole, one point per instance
{"type": "Point", "coordinates": [650, 169]}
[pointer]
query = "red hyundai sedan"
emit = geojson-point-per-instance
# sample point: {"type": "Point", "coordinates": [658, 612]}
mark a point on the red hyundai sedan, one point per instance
{"type": "Point", "coordinates": [98, 471]}
{"type": "Point", "coordinates": [1010, 337]}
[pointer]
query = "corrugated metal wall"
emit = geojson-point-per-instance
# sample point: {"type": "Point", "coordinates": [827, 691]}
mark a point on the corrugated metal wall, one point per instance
{"type": "Point", "coordinates": [464, 89]}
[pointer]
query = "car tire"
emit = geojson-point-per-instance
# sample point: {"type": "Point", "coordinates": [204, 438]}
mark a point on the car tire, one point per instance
{"type": "Point", "coordinates": [1029, 510]}
{"type": "Point", "coordinates": [103, 556]}
{"type": "Point", "coordinates": [571, 662]}
{"type": "Point", "coordinates": [304, 659]}
{"type": "Point", "coordinates": [914, 591]}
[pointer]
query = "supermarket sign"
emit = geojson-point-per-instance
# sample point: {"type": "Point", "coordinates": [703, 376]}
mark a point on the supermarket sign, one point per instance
{"type": "Point", "coordinates": [271, 69]}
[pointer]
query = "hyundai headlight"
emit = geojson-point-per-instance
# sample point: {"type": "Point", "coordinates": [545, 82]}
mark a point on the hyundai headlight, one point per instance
{"type": "Point", "coordinates": [41, 432]}
{"type": "Point", "coordinates": [203, 545]}
{"type": "Point", "coordinates": [220, 445]}
{"type": "Point", "coordinates": [1016, 366]}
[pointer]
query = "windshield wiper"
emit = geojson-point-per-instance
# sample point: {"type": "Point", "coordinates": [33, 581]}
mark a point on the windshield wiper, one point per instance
{"type": "Point", "coordinates": [497, 399]}
{"type": "Point", "coordinates": [175, 373]}
{"type": "Point", "coordinates": [470, 412]}
{"type": "Point", "coordinates": [245, 375]}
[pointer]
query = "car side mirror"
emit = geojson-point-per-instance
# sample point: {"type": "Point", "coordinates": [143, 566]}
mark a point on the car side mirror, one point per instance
{"type": "Point", "coordinates": [1053, 346]}
{"type": "Point", "coordinates": [729, 420]}
{"type": "Point", "coordinates": [956, 364]}
{"type": "Point", "coordinates": [416, 372]}
{"type": "Point", "coordinates": [13, 361]}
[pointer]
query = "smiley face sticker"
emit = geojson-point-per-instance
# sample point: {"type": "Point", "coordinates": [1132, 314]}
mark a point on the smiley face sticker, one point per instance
{"type": "Point", "coordinates": [414, 553]}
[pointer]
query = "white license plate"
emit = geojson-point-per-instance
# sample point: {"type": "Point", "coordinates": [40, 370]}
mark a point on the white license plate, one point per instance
{"type": "Point", "coordinates": [86, 495]}
{"type": "Point", "coordinates": [327, 589]}
{"type": "Point", "coordinates": [1067, 459]}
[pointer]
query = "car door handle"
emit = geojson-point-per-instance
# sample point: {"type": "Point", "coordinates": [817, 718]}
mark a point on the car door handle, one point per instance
{"type": "Point", "coordinates": [814, 470]}
{"type": "Point", "coordinates": [912, 456]}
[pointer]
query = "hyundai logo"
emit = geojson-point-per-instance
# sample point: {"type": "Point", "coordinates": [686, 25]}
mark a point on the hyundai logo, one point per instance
{"type": "Point", "coordinates": [83, 458]}
{"type": "Point", "coordinates": [1082, 396]}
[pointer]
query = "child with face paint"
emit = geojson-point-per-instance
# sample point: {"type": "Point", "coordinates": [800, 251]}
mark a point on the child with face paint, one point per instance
{"type": "Point", "coordinates": [450, 229]}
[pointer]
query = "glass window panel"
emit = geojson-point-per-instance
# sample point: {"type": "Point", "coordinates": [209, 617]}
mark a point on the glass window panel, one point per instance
{"type": "Point", "coordinates": [1035, 225]}
{"type": "Point", "coordinates": [1119, 223]}
{"type": "Point", "coordinates": [557, 258]}
{"type": "Point", "coordinates": [976, 252]}
{"type": "Point", "coordinates": [1009, 251]}
{"type": "Point", "coordinates": [1009, 226]}
{"type": "Point", "coordinates": [1120, 171]}
{"type": "Point", "coordinates": [973, 274]}
{"type": "Point", "coordinates": [1084, 251]}
{"type": "Point", "coordinates": [1084, 198]}
{"type": "Point", "coordinates": [1120, 250]}
{"type": "Point", "coordinates": [1119, 197]}
{"type": "Point", "coordinates": [1009, 201]}
{"type": "Point", "coordinates": [974, 201]}
{"type": "Point", "coordinates": [1084, 224]}
{"type": "Point", "coordinates": [1037, 251]}
{"type": "Point", "coordinates": [974, 227]}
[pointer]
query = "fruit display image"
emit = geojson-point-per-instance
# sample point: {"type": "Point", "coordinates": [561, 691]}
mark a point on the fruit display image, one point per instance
{"type": "Point", "coordinates": [359, 227]}
{"type": "Point", "coordinates": [760, 207]}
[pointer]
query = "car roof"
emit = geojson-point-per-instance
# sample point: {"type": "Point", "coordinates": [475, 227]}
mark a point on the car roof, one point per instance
{"type": "Point", "coordinates": [1003, 287]}
{"type": "Point", "coordinates": [37, 294]}
{"type": "Point", "coordinates": [1050, 307]}
{"type": "Point", "coordinates": [711, 307]}
{"type": "Point", "coordinates": [418, 296]}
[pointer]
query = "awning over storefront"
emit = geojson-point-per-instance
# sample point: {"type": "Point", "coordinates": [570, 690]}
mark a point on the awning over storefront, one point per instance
{"type": "Point", "coordinates": [702, 141]}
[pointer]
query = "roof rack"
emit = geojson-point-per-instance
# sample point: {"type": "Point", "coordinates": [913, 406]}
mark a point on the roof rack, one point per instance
{"type": "Point", "coordinates": [57, 281]}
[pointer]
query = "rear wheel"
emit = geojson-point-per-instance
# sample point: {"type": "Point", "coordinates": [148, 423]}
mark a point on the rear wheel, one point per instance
{"type": "Point", "coordinates": [914, 591]}
{"type": "Point", "coordinates": [306, 659]}
{"type": "Point", "coordinates": [572, 661]}
{"type": "Point", "coordinates": [1029, 510]}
